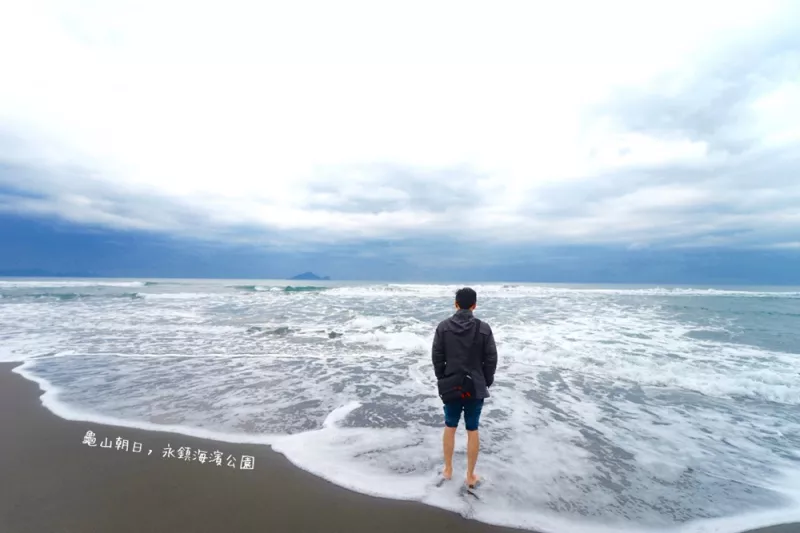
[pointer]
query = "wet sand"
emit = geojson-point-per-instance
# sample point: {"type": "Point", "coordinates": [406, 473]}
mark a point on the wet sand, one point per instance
{"type": "Point", "coordinates": [50, 481]}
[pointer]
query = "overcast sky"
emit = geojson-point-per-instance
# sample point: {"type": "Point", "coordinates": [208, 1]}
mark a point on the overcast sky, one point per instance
{"type": "Point", "coordinates": [628, 124]}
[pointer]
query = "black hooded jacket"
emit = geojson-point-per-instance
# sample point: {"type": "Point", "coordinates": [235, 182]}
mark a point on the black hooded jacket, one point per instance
{"type": "Point", "coordinates": [452, 351]}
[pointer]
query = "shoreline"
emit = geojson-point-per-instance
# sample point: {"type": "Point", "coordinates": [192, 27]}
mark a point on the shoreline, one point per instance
{"type": "Point", "coordinates": [54, 482]}
{"type": "Point", "coordinates": [55, 478]}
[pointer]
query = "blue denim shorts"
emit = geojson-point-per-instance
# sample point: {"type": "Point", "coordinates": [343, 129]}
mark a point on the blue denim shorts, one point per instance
{"type": "Point", "coordinates": [472, 413]}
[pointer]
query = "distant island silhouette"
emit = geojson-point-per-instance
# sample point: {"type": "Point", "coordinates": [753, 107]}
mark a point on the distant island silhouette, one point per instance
{"type": "Point", "coordinates": [310, 276]}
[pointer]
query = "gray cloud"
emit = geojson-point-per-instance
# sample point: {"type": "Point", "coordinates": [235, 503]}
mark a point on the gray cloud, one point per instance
{"type": "Point", "coordinates": [744, 201]}
{"type": "Point", "coordinates": [76, 195]}
{"type": "Point", "coordinates": [709, 100]}
{"type": "Point", "coordinates": [751, 200]}
{"type": "Point", "coordinates": [396, 188]}
{"type": "Point", "coordinates": [745, 193]}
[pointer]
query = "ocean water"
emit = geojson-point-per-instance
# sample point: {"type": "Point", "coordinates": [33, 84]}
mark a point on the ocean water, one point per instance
{"type": "Point", "coordinates": [614, 408]}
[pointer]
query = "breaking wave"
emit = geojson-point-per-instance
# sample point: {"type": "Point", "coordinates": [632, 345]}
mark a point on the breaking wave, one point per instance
{"type": "Point", "coordinates": [69, 296]}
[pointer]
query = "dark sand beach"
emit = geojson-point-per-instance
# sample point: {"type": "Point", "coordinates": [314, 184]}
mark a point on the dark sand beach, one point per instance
{"type": "Point", "coordinates": [52, 482]}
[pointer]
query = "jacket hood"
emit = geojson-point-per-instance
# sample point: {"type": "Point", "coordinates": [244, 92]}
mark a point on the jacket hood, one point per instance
{"type": "Point", "coordinates": [462, 321]}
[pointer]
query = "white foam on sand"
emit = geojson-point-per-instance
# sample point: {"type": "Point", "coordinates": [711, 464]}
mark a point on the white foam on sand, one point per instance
{"type": "Point", "coordinates": [328, 452]}
{"type": "Point", "coordinates": [12, 350]}
{"type": "Point", "coordinates": [51, 401]}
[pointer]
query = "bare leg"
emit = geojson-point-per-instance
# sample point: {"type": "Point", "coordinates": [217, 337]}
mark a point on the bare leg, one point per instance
{"type": "Point", "coordinates": [448, 445]}
{"type": "Point", "coordinates": [473, 444]}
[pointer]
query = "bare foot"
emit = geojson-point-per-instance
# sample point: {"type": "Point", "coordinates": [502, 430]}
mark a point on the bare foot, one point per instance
{"type": "Point", "coordinates": [472, 481]}
{"type": "Point", "coordinates": [447, 473]}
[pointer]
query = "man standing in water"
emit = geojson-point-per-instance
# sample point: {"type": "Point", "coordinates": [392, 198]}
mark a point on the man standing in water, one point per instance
{"type": "Point", "coordinates": [464, 345]}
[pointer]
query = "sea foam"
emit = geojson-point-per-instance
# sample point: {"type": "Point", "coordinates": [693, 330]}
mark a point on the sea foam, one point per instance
{"type": "Point", "coordinates": [610, 412]}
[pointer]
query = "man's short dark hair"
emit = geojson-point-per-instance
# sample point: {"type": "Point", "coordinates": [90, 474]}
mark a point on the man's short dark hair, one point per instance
{"type": "Point", "coordinates": [466, 298]}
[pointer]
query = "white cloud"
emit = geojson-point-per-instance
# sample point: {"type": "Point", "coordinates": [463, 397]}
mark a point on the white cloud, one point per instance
{"type": "Point", "coordinates": [312, 117]}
